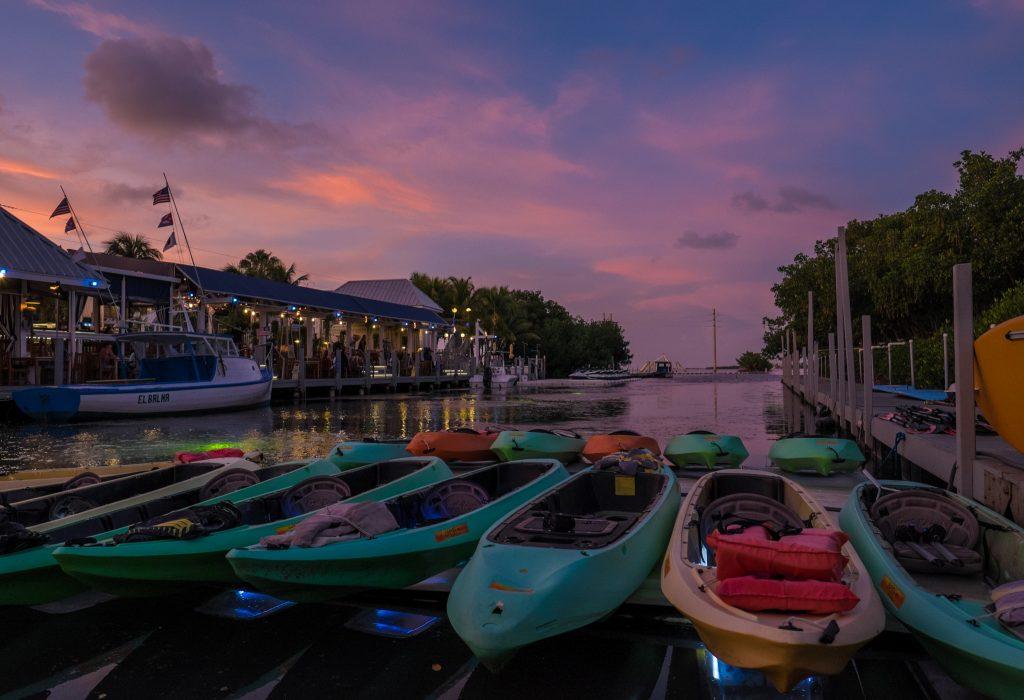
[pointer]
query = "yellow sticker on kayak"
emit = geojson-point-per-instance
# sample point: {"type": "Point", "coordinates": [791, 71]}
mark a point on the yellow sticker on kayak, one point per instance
{"type": "Point", "coordinates": [450, 532]}
{"type": "Point", "coordinates": [710, 438]}
{"type": "Point", "coordinates": [892, 592]}
{"type": "Point", "coordinates": [284, 528]}
{"type": "Point", "coordinates": [625, 485]}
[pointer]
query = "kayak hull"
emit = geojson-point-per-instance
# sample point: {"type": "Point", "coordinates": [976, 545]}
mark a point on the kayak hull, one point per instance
{"type": "Point", "coordinates": [509, 596]}
{"type": "Point", "coordinates": [977, 655]}
{"type": "Point", "coordinates": [599, 446]}
{"type": "Point", "coordinates": [823, 455]}
{"type": "Point", "coordinates": [164, 566]}
{"type": "Point", "coordinates": [395, 559]}
{"type": "Point", "coordinates": [763, 641]}
{"type": "Point", "coordinates": [360, 453]}
{"type": "Point", "coordinates": [706, 450]}
{"type": "Point", "coordinates": [452, 446]}
{"type": "Point", "coordinates": [517, 444]}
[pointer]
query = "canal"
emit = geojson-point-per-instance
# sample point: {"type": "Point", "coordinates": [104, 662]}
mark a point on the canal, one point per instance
{"type": "Point", "coordinates": [205, 644]}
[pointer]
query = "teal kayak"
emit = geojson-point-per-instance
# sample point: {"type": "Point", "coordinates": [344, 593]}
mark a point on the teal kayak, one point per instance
{"type": "Point", "coordinates": [947, 612]}
{"type": "Point", "coordinates": [825, 455]}
{"type": "Point", "coordinates": [439, 529]}
{"type": "Point", "coordinates": [32, 576]}
{"type": "Point", "coordinates": [358, 453]}
{"type": "Point", "coordinates": [700, 448]}
{"type": "Point", "coordinates": [563, 445]}
{"type": "Point", "coordinates": [161, 566]}
{"type": "Point", "coordinates": [567, 559]}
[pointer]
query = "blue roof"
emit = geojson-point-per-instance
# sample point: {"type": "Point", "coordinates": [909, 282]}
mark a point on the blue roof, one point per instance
{"type": "Point", "coordinates": [27, 254]}
{"type": "Point", "coordinates": [221, 282]}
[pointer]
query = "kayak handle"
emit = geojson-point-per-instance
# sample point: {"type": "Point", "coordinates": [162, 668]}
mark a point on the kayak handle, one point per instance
{"type": "Point", "coordinates": [830, 633]}
{"type": "Point", "coordinates": [836, 453]}
{"type": "Point", "coordinates": [721, 452]}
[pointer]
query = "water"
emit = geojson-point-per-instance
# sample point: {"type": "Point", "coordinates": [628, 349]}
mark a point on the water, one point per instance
{"type": "Point", "coordinates": [749, 406]}
{"type": "Point", "coordinates": [166, 648]}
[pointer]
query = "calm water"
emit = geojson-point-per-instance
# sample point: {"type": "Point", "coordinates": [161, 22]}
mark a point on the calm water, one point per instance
{"type": "Point", "coordinates": [167, 647]}
{"type": "Point", "coordinates": [747, 406]}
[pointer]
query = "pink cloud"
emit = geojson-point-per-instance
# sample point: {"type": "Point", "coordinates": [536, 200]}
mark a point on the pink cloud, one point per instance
{"type": "Point", "coordinates": [358, 186]}
{"type": "Point", "coordinates": [106, 25]}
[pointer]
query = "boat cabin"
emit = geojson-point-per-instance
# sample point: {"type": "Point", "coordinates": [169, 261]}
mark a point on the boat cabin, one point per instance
{"type": "Point", "coordinates": [177, 357]}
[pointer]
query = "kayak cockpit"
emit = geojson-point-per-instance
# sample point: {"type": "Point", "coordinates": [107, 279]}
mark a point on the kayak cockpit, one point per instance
{"type": "Point", "coordinates": [595, 509]}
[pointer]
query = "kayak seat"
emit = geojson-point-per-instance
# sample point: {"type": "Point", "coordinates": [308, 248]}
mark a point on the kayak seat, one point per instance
{"type": "Point", "coordinates": [751, 508]}
{"type": "Point", "coordinates": [929, 532]}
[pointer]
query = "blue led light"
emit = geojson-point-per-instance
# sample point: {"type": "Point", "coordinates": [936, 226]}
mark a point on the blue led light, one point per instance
{"type": "Point", "coordinates": [291, 308]}
{"type": "Point", "coordinates": [234, 300]}
{"type": "Point", "coordinates": [3, 271]}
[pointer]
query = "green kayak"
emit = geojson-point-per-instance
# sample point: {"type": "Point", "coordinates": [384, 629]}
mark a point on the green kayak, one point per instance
{"type": "Point", "coordinates": [162, 566]}
{"type": "Point", "coordinates": [439, 528]}
{"type": "Point", "coordinates": [825, 455]}
{"type": "Point", "coordinates": [567, 559]}
{"type": "Point", "coordinates": [563, 445]}
{"type": "Point", "coordinates": [701, 448]}
{"type": "Point", "coordinates": [939, 584]}
{"type": "Point", "coordinates": [32, 576]}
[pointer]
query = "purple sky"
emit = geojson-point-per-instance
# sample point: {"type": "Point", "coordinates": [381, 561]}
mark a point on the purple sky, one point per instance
{"type": "Point", "coordinates": [648, 160]}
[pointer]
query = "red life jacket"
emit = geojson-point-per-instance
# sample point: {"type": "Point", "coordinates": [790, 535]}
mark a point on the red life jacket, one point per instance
{"type": "Point", "coordinates": [814, 554]}
{"type": "Point", "coordinates": [186, 457]}
{"type": "Point", "coordinates": [759, 594]}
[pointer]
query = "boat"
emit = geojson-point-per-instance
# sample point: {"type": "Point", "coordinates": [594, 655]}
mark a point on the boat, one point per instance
{"type": "Point", "coordinates": [997, 378]}
{"type": "Point", "coordinates": [538, 443]}
{"type": "Point", "coordinates": [161, 566]}
{"type": "Point", "coordinates": [358, 453]}
{"type": "Point", "coordinates": [439, 527]}
{"type": "Point", "coordinates": [944, 597]}
{"type": "Point", "coordinates": [599, 446]}
{"type": "Point", "coordinates": [567, 559]}
{"type": "Point", "coordinates": [455, 445]}
{"type": "Point", "coordinates": [31, 576]}
{"type": "Point", "coordinates": [178, 372]}
{"type": "Point", "coordinates": [494, 374]}
{"type": "Point", "coordinates": [821, 454]}
{"type": "Point", "coordinates": [701, 448]}
{"type": "Point", "coordinates": [601, 374]}
{"type": "Point", "coordinates": [785, 646]}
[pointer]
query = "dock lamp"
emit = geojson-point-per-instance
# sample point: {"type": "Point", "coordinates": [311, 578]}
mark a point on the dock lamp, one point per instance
{"type": "Point", "coordinates": [3, 272]}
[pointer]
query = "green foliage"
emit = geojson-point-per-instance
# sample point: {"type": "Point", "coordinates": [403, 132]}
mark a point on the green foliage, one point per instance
{"type": "Point", "coordinates": [751, 361]}
{"type": "Point", "coordinates": [265, 265]}
{"type": "Point", "coordinates": [132, 245]}
{"type": "Point", "coordinates": [900, 268]}
{"type": "Point", "coordinates": [527, 323]}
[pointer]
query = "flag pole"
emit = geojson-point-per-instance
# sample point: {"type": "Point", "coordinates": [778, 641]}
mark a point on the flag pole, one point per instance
{"type": "Point", "coordinates": [181, 225]}
{"type": "Point", "coordinates": [79, 229]}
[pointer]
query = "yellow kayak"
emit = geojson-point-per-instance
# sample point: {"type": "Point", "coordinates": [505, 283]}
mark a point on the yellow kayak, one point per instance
{"type": "Point", "coordinates": [999, 379]}
{"type": "Point", "coordinates": [786, 646]}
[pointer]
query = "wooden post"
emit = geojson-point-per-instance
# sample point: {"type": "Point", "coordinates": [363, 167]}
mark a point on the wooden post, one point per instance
{"type": "Point", "coordinates": [338, 369]}
{"type": "Point", "coordinates": [817, 374]}
{"type": "Point", "coordinates": [832, 386]}
{"type": "Point", "coordinates": [58, 362]}
{"type": "Point", "coordinates": [785, 361]}
{"type": "Point", "coordinates": [300, 356]}
{"type": "Point", "coordinates": [367, 369]}
{"type": "Point", "coordinates": [869, 384]}
{"type": "Point", "coordinates": [888, 355]}
{"type": "Point", "coordinates": [72, 333]}
{"type": "Point", "coordinates": [813, 384]}
{"type": "Point", "coordinates": [839, 380]}
{"type": "Point", "coordinates": [850, 393]}
{"type": "Point", "coordinates": [963, 349]}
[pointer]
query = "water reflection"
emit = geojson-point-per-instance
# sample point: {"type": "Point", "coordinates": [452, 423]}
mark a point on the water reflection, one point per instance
{"type": "Point", "coordinates": [748, 406]}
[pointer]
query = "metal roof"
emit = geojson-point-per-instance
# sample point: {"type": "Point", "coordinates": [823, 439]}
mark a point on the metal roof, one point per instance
{"type": "Point", "coordinates": [398, 291]}
{"type": "Point", "coordinates": [27, 254]}
{"type": "Point", "coordinates": [229, 283]}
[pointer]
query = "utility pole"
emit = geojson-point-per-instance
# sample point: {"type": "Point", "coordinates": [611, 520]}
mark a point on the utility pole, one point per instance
{"type": "Point", "coordinates": [714, 340]}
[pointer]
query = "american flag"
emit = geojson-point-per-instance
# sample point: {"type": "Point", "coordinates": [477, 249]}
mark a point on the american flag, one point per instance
{"type": "Point", "coordinates": [162, 196]}
{"type": "Point", "coordinates": [166, 220]}
{"type": "Point", "coordinates": [62, 208]}
{"type": "Point", "coordinates": [171, 241]}
{"type": "Point", "coordinates": [70, 225]}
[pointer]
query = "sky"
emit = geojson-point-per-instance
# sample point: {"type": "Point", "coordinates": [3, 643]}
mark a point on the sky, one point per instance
{"type": "Point", "coordinates": [649, 161]}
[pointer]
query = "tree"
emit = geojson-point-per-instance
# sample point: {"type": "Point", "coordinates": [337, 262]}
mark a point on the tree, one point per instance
{"type": "Point", "coordinates": [265, 265]}
{"type": "Point", "coordinates": [132, 245]}
{"type": "Point", "coordinates": [751, 361]}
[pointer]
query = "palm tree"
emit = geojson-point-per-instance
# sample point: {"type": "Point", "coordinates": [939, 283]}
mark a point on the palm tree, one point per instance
{"type": "Point", "coordinates": [265, 265]}
{"type": "Point", "coordinates": [132, 245]}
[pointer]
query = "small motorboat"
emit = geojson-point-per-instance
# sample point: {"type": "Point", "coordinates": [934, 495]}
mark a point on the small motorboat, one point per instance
{"type": "Point", "coordinates": [569, 558]}
{"type": "Point", "coordinates": [599, 446]}
{"type": "Point", "coordinates": [783, 639]}
{"type": "Point", "coordinates": [358, 453]}
{"type": "Point", "coordinates": [701, 448]}
{"type": "Point", "coordinates": [178, 372]}
{"type": "Point", "coordinates": [152, 565]}
{"type": "Point", "coordinates": [538, 443]}
{"type": "Point", "coordinates": [494, 374]}
{"type": "Point", "coordinates": [455, 445]}
{"type": "Point", "coordinates": [29, 574]}
{"type": "Point", "coordinates": [952, 571]}
{"type": "Point", "coordinates": [437, 528]}
{"type": "Point", "coordinates": [824, 455]}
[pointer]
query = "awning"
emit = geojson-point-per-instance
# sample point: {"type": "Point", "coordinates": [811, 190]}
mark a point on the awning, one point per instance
{"type": "Point", "coordinates": [256, 290]}
{"type": "Point", "coordinates": [26, 254]}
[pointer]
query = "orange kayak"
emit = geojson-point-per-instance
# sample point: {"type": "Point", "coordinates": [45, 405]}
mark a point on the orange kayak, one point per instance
{"type": "Point", "coordinates": [599, 446]}
{"type": "Point", "coordinates": [458, 445]}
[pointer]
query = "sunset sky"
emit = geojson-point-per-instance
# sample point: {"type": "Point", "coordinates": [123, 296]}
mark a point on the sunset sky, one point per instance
{"type": "Point", "coordinates": [645, 160]}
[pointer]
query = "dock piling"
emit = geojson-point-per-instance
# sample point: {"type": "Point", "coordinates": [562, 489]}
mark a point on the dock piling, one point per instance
{"type": "Point", "coordinates": [963, 348]}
